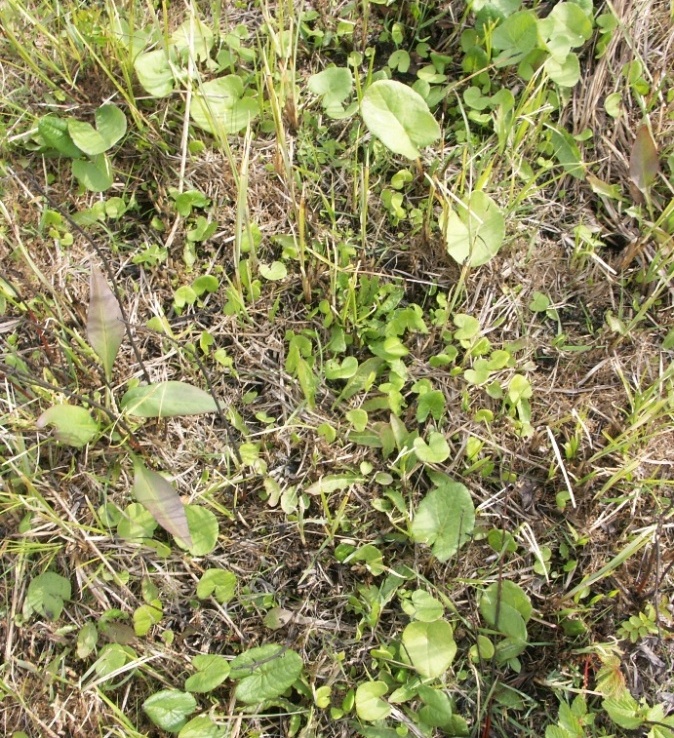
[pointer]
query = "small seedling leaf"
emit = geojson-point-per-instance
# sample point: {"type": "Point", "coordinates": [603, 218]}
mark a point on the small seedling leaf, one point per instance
{"type": "Point", "coordinates": [644, 163]}
{"type": "Point", "coordinates": [169, 709]}
{"type": "Point", "coordinates": [46, 595]}
{"type": "Point", "coordinates": [73, 425]}
{"type": "Point", "coordinates": [154, 72]}
{"type": "Point", "coordinates": [430, 647]}
{"type": "Point", "coordinates": [265, 672]}
{"type": "Point", "coordinates": [273, 272]}
{"type": "Point", "coordinates": [136, 523]}
{"type": "Point", "coordinates": [445, 519]}
{"type": "Point", "coordinates": [202, 727]}
{"type": "Point", "coordinates": [332, 483]}
{"type": "Point", "coordinates": [167, 399]}
{"type": "Point", "coordinates": [475, 233]}
{"type": "Point", "coordinates": [218, 583]}
{"type": "Point", "coordinates": [105, 322]}
{"type": "Point", "coordinates": [399, 117]}
{"type": "Point", "coordinates": [433, 452]}
{"type": "Point", "coordinates": [95, 174]}
{"type": "Point", "coordinates": [162, 501]}
{"type": "Point", "coordinates": [212, 670]}
{"type": "Point", "coordinates": [144, 617]}
{"type": "Point", "coordinates": [369, 703]}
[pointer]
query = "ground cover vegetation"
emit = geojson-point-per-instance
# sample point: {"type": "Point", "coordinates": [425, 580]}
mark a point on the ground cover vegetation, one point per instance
{"type": "Point", "coordinates": [337, 368]}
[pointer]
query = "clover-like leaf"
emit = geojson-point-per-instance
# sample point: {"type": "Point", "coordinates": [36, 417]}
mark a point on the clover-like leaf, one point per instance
{"type": "Point", "coordinates": [155, 72]}
{"type": "Point", "coordinates": [433, 452]}
{"type": "Point", "coordinates": [218, 583]}
{"type": "Point", "coordinates": [399, 117]}
{"type": "Point", "coordinates": [46, 595]}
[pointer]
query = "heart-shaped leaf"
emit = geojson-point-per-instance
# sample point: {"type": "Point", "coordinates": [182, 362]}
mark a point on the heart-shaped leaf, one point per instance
{"type": "Point", "coordinates": [430, 646]}
{"type": "Point", "coordinates": [433, 452]}
{"type": "Point", "coordinates": [105, 322]}
{"type": "Point", "coordinates": [265, 672]}
{"type": "Point", "coordinates": [445, 518]}
{"type": "Point", "coordinates": [369, 703]}
{"type": "Point", "coordinates": [475, 232]}
{"type": "Point", "coordinates": [399, 117]}
{"type": "Point", "coordinates": [218, 106]}
{"type": "Point", "coordinates": [162, 501]}
{"type": "Point", "coordinates": [169, 708]}
{"type": "Point", "coordinates": [155, 73]}
{"type": "Point", "coordinates": [212, 670]}
{"type": "Point", "coordinates": [167, 399]}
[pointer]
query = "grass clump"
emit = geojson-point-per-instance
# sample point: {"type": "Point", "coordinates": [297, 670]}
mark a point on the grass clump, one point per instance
{"type": "Point", "coordinates": [337, 354]}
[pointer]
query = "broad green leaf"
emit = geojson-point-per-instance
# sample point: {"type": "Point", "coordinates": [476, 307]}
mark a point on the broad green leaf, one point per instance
{"type": "Point", "coordinates": [169, 709]}
{"type": "Point", "coordinates": [444, 519]}
{"type": "Point", "coordinates": [73, 425]}
{"type": "Point", "coordinates": [203, 527]}
{"type": "Point", "coordinates": [218, 106]}
{"type": "Point", "coordinates": [144, 617]}
{"type": "Point", "coordinates": [86, 137]}
{"type": "Point", "coordinates": [333, 483]}
{"type": "Point", "coordinates": [105, 322]}
{"type": "Point", "coordinates": [162, 501]}
{"type": "Point", "coordinates": [624, 711]}
{"type": "Point", "coordinates": [110, 123]}
{"type": "Point", "coordinates": [644, 163]}
{"type": "Point", "coordinates": [265, 672]}
{"type": "Point", "coordinates": [515, 38]}
{"type": "Point", "coordinates": [565, 73]}
{"type": "Point", "coordinates": [423, 607]}
{"type": "Point", "coordinates": [54, 132]}
{"type": "Point", "coordinates": [433, 452]}
{"type": "Point", "coordinates": [155, 73]}
{"type": "Point", "coordinates": [399, 117]}
{"type": "Point", "coordinates": [430, 647]}
{"type": "Point", "coordinates": [95, 174]}
{"type": "Point", "coordinates": [112, 657]}
{"type": "Point", "coordinates": [136, 523]}
{"type": "Point", "coordinates": [46, 595]}
{"type": "Point", "coordinates": [167, 399]}
{"type": "Point", "coordinates": [334, 85]}
{"type": "Point", "coordinates": [567, 153]}
{"type": "Point", "coordinates": [437, 710]}
{"type": "Point", "coordinates": [369, 703]}
{"type": "Point", "coordinates": [202, 727]}
{"type": "Point", "coordinates": [194, 37]}
{"type": "Point", "coordinates": [218, 583]}
{"type": "Point", "coordinates": [569, 23]}
{"type": "Point", "coordinates": [273, 272]}
{"type": "Point", "coordinates": [212, 670]}
{"type": "Point", "coordinates": [475, 232]}
{"type": "Point", "coordinates": [345, 370]}
{"type": "Point", "coordinates": [430, 403]}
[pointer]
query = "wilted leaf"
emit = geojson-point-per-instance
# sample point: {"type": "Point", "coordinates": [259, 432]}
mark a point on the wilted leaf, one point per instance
{"type": "Point", "coordinates": [105, 322]}
{"type": "Point", "coordinates": [166, 399]}
{"type": "Point", "coordinates": [399, 117]}
{"type": "Point", "coordinates": [162, 501]}
{"type": "Point", "coordinates": [644, 163]}
{"type": "Point", "coordinates": [73, 425]}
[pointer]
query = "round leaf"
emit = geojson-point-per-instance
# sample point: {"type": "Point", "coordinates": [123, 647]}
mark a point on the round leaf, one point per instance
{"type": "Point", "coordinates": [274, 271]}
{"type": "Point", "coordinates": [169, 708]}
{"type": "Point", "coordinates": [154, 72]}
{"type": "Point", "coordinates": [399, 117]}
{"type": "Point", "coordinates": [221, 584]}
{"type": "Point", "coordinates": [445, 519]}
{"type": "Point", "coordinates": [212, 671]}
{"type": "Point", "coordinates": [219, 107]}
{"type": "Point", "coordinates": [476, 232]}
{"type": "Point", "coordinates": [46, 595]}
{"type": "Point", "coordinates": [369, 705]}
{"type": "Point", "coordinates": [86, 137]}
{"type": "Point", "coordinates": [430, 646]}
{"type": "Point", "coordinates": [202, 727]}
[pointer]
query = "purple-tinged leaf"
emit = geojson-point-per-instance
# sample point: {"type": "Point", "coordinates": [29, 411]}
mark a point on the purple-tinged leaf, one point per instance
{"type": "Point", "coordinates": [105, 322]}
{"type": "Point", "coordinates": [162, 501]}
{"type": "Point", "coordinates": [644, 163]}
{"type": "Point", "coordinates": [166, 399]}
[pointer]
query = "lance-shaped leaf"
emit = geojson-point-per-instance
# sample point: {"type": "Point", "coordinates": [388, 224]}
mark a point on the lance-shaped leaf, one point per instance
{"type": "Point", "coordinates": [166, 399]}
{"type": "Point", "coordinates": [644, 164]}
{"type": "Point", "coordinates": [105, 322]}
{"type": "Point", "coordinates": [162, 501]}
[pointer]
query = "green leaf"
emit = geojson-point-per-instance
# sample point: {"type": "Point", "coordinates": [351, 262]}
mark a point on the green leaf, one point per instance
{"type": "Point", "coordinates": [162, 501]}
{"type": "Point", "coordinates": [333, 483]}
{"type": "Point", "coordinates": [155, 73]}
{"type": "Point", "coordinates": [144, 617]}
{"type": "Point", "coordinates": [444, 519]}
{"type": "Point", "coordinates": [46, 595]}
{"type": "Point", "coordinates": [624, 711]}
{"type": "Point", "coordinates": [194, 37]}
{"type": "Point", "coordinates": [265, 672]}
{"type": "Point", "coordinates": [430, 647]}
{"type": "Point", "coordinates": [110, 123]}
{"type": "Point", "coordinates": [437, 711]}
{"type": "Point", "coordinates": [95, 174]}
{"type": "Point", "coordinates": [369, 705]}
{"type": "Point", "coordinates": [86, 137]}
{"type": "Point", "coordinates": [345, 370]}
{"type": "Point", "coordinates": [475, 233]}
{"type": "Point", "coordinates": [136, 523]}
{"type": "Point", "coordinates": [219, 108]}
{"type": "Point", "coordinates": [430, 403]}
{"type": "Point", "coordinates": [273, 272]}
{"type": "Point", "coordinates": [202, 726]}
{"type": "Point", "coordinates": [105, 322]}
{"type": "Point", "coordinates": [515, 38]}
{"type": "Point", "coordinates": [54, 132]}
{"type": "Point", "coordinates": [212, 670]}
{"type": "Point", "coordinates": [423, 607]}
{"type": "Point", "coordinates": [169, 709]}
{"type": "Point", "coordinates": [433, 452]}
{"type": "Point", "coordinates": [399, 117]}
{"type": "Point", "coordinates": [218, 583]}
{"type": "Point", "coordinates": [73, 425]}
{"type": "Point", "coordinates": [334, 85]}
{"type": "Point", "coordinates": [204, 530]}
{"type": "Point", "coordinates": [167, 399]}
{"type": "Point", "coordinates": [567, 153]}
{"type": "Point", "coordinates": [87, 640]}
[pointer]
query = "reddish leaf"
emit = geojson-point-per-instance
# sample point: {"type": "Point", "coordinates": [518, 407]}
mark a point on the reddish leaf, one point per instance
{"type": "Point", "coordinates": [644, 164]}
{"type": "Point", "coordinates": [105, 322]}
{"type": "Point", "coordinates": [162, 501]}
